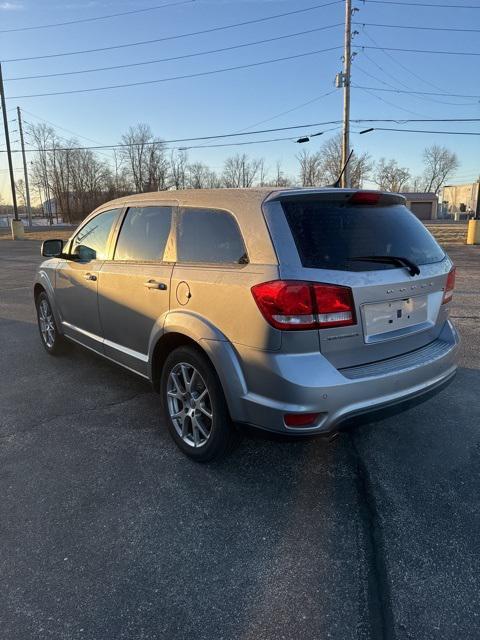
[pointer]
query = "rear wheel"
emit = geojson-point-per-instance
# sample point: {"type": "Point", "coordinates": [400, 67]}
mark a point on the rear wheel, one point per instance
{"type": "Point", "coordinates": [194, 406]}
{"type": "Point", "coordinates": [52, 340]}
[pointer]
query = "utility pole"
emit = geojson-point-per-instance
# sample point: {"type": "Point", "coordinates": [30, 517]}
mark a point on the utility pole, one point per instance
{"type": "Point", "coordinates": [347, 60]}
{"type": "Point", "coordinates": [25, 170]}
{"type": "Point", "coordinates": [9, 151]}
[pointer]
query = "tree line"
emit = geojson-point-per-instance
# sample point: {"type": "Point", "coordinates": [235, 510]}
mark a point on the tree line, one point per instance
{"type": "Point", "coordinates": [79, 179]}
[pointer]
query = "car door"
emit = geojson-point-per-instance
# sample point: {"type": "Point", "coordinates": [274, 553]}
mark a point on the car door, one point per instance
{"type": "Point", "coordinates": [134, 286]}
{"type": "Point", "coordinates": [76, 282]}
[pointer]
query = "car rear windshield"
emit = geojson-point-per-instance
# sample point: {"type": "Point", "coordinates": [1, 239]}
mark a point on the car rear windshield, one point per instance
{"type": "Point", "coordinates": [330, 235]}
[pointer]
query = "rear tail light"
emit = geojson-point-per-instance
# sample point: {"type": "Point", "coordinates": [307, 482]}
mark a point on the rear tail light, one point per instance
{"type": "Point", "coordinates": [449, 287]}
{"type": "Point", "coordinates": [294, 305]}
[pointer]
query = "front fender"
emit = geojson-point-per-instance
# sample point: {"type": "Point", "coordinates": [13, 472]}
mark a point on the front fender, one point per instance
{"type": "Point", "coordinates": [42, 278]}
{"type": "Point", "coordinates": [216, 346]}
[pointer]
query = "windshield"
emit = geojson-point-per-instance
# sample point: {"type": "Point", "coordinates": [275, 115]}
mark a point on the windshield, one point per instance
{"type": "Point", "coordinates": [330, 235]}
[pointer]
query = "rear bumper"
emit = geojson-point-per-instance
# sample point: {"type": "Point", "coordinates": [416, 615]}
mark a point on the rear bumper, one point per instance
{"type": "Point", "coordinates": [277, 384]}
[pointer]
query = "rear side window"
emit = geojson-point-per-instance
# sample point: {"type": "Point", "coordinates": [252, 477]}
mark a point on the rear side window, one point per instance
{"type": "Point", "coordinates": [210, 236]}
{"type": "Point", "coordinates": [91, 242]}
{"type": "Point", "coordinates": [330, 235]}
{"type": "Point", "coordinates": [144, 234]}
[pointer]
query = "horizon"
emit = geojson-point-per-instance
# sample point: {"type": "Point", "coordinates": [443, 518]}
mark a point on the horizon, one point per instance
{"type": "Point", "coordinates": [221, 102]}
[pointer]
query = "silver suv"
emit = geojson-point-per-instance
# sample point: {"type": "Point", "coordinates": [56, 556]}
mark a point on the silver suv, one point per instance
{"type": "Point", "coordinates": [293, 310]}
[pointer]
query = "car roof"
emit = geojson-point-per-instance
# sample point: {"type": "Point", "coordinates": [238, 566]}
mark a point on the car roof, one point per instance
{"type": "Point", "coordinates": [244, 204]}
{"type": "Point", "coordinates": [239, 201]}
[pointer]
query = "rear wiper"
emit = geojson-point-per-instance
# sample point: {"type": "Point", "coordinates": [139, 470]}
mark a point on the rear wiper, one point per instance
{"type": "Point", "coordinates": [412, 268]}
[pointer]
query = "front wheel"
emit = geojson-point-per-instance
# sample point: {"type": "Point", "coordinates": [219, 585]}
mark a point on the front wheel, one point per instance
{"type": "Point", "coordinates": [194, 406]}
{"type": "Point", "coordinates": [52, 340]}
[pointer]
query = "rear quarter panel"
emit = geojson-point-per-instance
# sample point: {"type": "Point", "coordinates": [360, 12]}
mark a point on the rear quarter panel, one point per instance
{"type": "Point", "coordinates": [222, 295]}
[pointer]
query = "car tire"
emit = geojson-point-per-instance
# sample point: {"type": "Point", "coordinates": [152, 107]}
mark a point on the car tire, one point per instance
{"type": "Point", "coordinates": [53, 341]}
{"type": "Point", "coordinates": [194, 406]}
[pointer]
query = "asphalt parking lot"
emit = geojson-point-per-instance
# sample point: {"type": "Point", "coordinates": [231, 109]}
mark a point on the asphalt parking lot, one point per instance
{"type": "Point", "coordinates": [107, 532]}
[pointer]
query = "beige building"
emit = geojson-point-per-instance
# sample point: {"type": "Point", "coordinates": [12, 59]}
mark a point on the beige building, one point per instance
{"type": "Point", "coordinates": [462, 197]}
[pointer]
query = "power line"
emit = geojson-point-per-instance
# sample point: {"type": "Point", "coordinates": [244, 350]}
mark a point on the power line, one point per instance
{"type": "Point", "coordinates": [436, 52]}
{"type": "Point", "coordinates": [422, 4]}
{"type": "Point", "coordinates": [423, 93]}
{"type": "Point", "coordinates": [170, 59]}
{"type": "Point", "coordinates": [58, 126]}
{"type": "Point", "coordinates": [450, 133]}
{"type": "Point", "coordinates": [181, 77]}
{"type": "Point", "coordinates": [62, 138]}
{"type": "Point", "coordinates": [388, 84]}
{"type": "Point", "coordinates": [245, 66]}
{"type": "Point", "coordinates": [176, 37]}
{"type": "Point", "coordinates": [391, 104]}
{"type": "Point", "coordinates": [283, 113]}
{"type": "Point", "coordinates": [404, 26]}
{"type": "Point", "coordinates": [401, 121]}
{"type": "Point", "coordinates": [422, 79]}
{"type": "Point", "coordinates": [248, 142]}
{"type": "Point", "coordinates": [183, 148]}
{"type": "Point", "coordinates": [197, 138]}
{"type": "Point", "coordinates": [94, 19]}
{"type": "Point", "coordinates": [307, 126]}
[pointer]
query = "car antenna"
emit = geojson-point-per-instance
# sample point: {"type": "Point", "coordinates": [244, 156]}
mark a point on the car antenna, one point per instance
{"type": "Point", "coordinates": [336, 184]}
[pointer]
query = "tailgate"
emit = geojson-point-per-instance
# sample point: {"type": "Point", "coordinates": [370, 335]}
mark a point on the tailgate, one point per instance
{"type": "Point", "coordinates": [394, 317]}
{"type": "Point", "coordinates": [371, 243]}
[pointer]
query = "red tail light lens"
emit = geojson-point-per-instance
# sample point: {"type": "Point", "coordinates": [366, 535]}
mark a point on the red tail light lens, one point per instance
{"type": "Point", "coordinates": [334, 305]}
{"type": "Point", "coordinates": [364, 197]}
{"type": "Point", "coordinates": [285, 304]}
{"type": "Point", "coordinates": [449, 287]}
{"type": "Point", "coordinates": [295, 305]}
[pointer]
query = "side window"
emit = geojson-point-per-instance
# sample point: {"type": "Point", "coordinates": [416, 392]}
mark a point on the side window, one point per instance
{"type": "Point", "coordinates": [90, 243]}
{"type": "Point", "coordinates": [211, 236]}
{"type": "Point", "coordinates": [144, 233]}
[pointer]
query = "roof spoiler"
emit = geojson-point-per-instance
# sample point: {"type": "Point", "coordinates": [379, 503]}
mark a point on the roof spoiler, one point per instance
{"type": "Point", "coordinates": [354, 197]}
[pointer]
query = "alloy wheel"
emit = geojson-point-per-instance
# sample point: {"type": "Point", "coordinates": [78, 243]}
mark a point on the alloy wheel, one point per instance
{"type": "Point", "coordinates": [189, 404]}
{"type": "Point", "coordinates": [47, 325]}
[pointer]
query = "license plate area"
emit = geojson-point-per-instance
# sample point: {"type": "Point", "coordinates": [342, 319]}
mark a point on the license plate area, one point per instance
{"type": "Point", "coordinates": [385, 320]}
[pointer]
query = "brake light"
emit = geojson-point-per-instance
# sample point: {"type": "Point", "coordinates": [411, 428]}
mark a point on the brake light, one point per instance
{"type": "Point", "coordinates": [449, 286]}
{"type": "Point", "coordinates": [365, 197]}
{"type": "Point", "coordinates": [294, 305]}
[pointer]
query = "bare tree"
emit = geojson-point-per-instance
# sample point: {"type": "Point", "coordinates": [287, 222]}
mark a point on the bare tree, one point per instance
{"type": "Point", "coordinates": [416, 184]}
{"type": "Point", "coordinates": [120, 185]}
{"type": "Point", "coordinates": [44, 138]}
{"type": "Point", "coordinates": [240, 171]}
{"type": "Point", "coordinates": [90, 181]}
{"type": "Point", "coordinates": [21, 192]}
{"type": "Point", "coordinates": [310, 168]}
{"type": "Point", "coordinates": [389, 176]}
{"type": "Point", "coordinates": [178, 168]}
{"type": "Point", "coordinates": [199, 176]}
{"type": "Point", "coordinates": [279, 179]}
{"type": "Point", "coordinates": [439, 164]}
{"type": "Point", "coordinates": [214, 181]}
{"type": "Point", "coordinates": [144, 157]}
{"type": "Point", "coordinates": [262, 173]}
{"type": "Point", "coordinates": [331, 162]}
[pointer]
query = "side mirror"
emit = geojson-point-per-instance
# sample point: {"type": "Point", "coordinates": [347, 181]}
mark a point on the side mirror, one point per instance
{"type": "Point", "coordinates": [52, 248]}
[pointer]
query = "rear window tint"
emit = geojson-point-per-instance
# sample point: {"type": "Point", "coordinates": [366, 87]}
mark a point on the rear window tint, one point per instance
{"type": "Point", "coordinates": [329, 235]}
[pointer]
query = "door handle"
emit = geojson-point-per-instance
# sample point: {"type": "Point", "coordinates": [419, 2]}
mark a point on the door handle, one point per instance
{"type": "Point", "coordinates": [153, 284]}
{"type": "Point", "coordinates": [90, 276]}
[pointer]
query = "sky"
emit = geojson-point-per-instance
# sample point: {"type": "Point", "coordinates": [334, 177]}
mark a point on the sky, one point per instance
{"type": "Point", "coordinates": [245, 99]}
